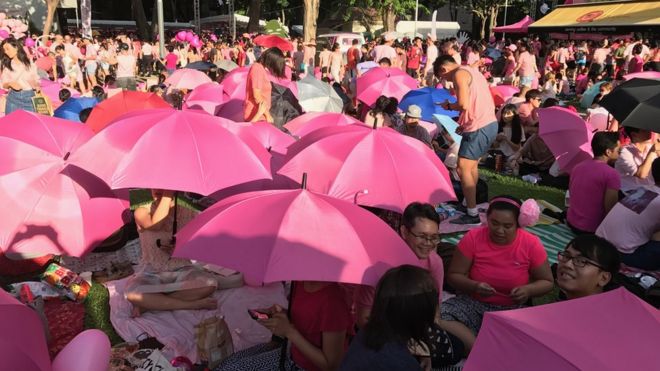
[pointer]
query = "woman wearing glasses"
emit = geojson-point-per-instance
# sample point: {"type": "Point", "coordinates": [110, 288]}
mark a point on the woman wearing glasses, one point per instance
{"type": "Point", "coordinates": [499, 266]}
{"type": "Point", "coordinates": [587, 266]}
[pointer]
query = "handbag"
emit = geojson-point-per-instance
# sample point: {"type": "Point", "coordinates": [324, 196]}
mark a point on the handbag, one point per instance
{"type": "Point", "coordinates": [214, 343]}
{"type": "Point", "coordinates": [42, 104]}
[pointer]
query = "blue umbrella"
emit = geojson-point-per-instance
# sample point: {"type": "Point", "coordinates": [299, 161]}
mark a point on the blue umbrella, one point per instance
{"type": "Point", "coordinates": [428, 100]}
{"type": "Point", "coordinates": [201, 66]}
{"type": "Point", "coordinates": [448, 124]}
{"type": "Point", "coordinates": [70, 110]}
{"type": "Point", "coordinates": [493, 53]}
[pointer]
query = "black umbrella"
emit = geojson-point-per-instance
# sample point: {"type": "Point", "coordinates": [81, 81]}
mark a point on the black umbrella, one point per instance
{"type": "Point", "coordinates": [635, 103]}
{"type": "Point", "coordinates": [201, 66]}
{"type": "Point", "coordinates": [284, 105]}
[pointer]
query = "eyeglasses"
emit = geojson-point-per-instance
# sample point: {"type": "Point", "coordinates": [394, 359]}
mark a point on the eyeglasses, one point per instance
{"type": "Point", "coordinates": [434, 239]}
{"type": "Point", "coordinates": [578, 261]}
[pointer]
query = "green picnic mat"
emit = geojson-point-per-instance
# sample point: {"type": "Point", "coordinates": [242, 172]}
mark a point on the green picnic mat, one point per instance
{"type": "Point", "coordinates": [554, 237]}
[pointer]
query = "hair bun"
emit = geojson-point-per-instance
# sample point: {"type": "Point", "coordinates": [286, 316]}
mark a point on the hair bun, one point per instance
{"type": "Point", "coordinates": [529, 213]}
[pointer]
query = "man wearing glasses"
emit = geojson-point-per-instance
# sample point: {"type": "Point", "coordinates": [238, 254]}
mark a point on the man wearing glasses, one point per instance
{"type": "Point", "coordinates": [528, 111]}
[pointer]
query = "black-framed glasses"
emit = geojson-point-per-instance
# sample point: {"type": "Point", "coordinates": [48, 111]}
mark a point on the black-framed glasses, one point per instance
{"type": "Point", "coordinates": [434, 239]}
{"type": "Point", "coordinates": [578, 261]}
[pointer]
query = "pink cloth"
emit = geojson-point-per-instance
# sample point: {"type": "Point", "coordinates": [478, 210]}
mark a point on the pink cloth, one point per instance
{"type": "Point", "coordinates": [502, 267]}
{"type": "Point", "coordinates": [588, 192]}
{"type": "Point", "coordinates": [257, 80]}
{"type": "Point", "coordinates": [481, 107]}
{"type": "Point", "coordinates": [526, 62]}
{"type": "Point", "coordinates": [384, 51]}
{"type": "Point", "coordinates": [171, 60]}
{"type": "Point", "coordinates": [633, 220]}
{"type": "Point", "coordinates": [175, 329]}
{"type": "Point", "coordinates": [528, 114]}
{"type": "Point", "coordinates": [627, 165]}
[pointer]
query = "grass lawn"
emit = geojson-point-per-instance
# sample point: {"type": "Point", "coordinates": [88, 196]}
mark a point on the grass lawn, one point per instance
{"type": "Point", "coordinates": [97, 313]}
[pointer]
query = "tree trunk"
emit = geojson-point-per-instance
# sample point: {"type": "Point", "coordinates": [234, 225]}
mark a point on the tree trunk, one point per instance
{"type": "Point", "coordinates": [309, 21]}
{"type": "Point", "coordinates": [140, 18]}
{"type": "Point", "coordinates": [389, 18]}
{"type": "Point", "coordinates": [154, 20]}
{"type": "Point", "coordinates": [492, 21]}
{"type": "Point", "coordinates": [52, 7]}
{"type": "Point", "coordinates": [482, 29]}
{"type": "Point", "coordinates": [254, 12]}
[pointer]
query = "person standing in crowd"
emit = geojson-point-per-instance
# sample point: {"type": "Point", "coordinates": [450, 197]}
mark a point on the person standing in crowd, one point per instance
{"type": "Point", "coordinates": [598, 58]}
{"type": "Point", "coordinates": [411, 127]}
{"type": "Point", "coordinates": [414, 58]}
{"type": "Point", "coordinates": [525, 66]}
{"type": "Point", "coordinates": [171, 60]}
{"type": "Point", "coordinates": [336, 63]}
{"type": "Point", "coordinates": [258, 87]}
{"type": "Point", "coordinates": [147, 58]}
{"type": "Point", "coordinates": [91, 65]}
{"type": "Point", "coordinates": [18, 75]}
{"type": "Point", "coordinates": [478, 126]}
{"type": "Point", "coordinates": [636, 63]}
{"type": "Point", "coordinates": [352, 58]}
{"type": "Point", "coordinates": [431, 56]}
{"type": "Point", "coordinates": [310, 55]}
{"type": "Point", "coordinates": [298, 59]}
{"type": "Point", "coordinates": [324, 61]}
{"type": "Point", "coordinates": [126, 67]}
{"type": "Point", "coordinates": [401, 59]}
{"type": "Point", "coordinates": [385, 50]}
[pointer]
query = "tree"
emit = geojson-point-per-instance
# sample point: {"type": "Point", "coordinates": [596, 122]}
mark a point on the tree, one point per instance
{"type": "Point", "coordinates": [484, 10]}
{"type": "Point", "coordinates": [140, 18]}
{"type": "Point", "coordinates": [52, 7]}
{"type": "Point", "coordinates": [254, 12]}
{"type": "Point", "coordinates": [311, 8]}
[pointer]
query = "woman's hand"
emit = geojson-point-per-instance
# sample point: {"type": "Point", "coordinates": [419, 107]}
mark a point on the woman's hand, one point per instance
{"type": "Point", "coordinates": [520, 294]}
{"type": "Point", "coordinates": [484, 289]}
{"type": "Point", "coordinates": [278, 323]}
{"type": "Point", "coordinates": [425, 363]}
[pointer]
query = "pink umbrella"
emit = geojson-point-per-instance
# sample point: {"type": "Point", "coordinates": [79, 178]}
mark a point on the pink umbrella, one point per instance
{"type": "Point", "coordinates": [267, 135]}
{"type": "Point", "coordinates": [642, 75]}
{"type": "Point", "coordinates": [232, 110]}
{"type": "Point", "coordinates": [186, 78]}
{"type": "Point", "coordinates": [390, 82]}
{"type": "Point", "coordinates": [567, 136]}
{"type": "Point", "coordinates": [51, 89]}
{"type": "Point", "coordinates": [308, 122]}
{"type": "Point", "coordinates": [56, 207]}
{"type": "Point", "coordinates": [590, 333]}
{"type": "Point", "coordinates": [23, 343]}
{"type": "Point", "coordinates": [178, 150]}
{"type": "Point", "coordinates": [506, 91]}
{"type": "Point", "coordinates": [294, 235]}
{"type": "Point", "coordinates": [206, 97]}
{"type": "Point", "coordinates": [379, 168]}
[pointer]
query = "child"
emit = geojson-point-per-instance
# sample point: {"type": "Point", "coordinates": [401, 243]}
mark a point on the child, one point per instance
{"type": "Point", "coordinates": [510, 135]}
{"type": "Point", "coordinates": [550, 86]}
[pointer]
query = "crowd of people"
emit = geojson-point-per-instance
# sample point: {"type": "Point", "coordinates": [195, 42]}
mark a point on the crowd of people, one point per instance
{"type": "Point", "coordinates": [403, 323]}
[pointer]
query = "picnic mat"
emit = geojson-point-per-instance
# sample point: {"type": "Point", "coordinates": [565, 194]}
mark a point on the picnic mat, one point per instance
{"type": "Point", "coordinates": [554, 238]}
{"type": "Point", "coordinates": [65, 321]}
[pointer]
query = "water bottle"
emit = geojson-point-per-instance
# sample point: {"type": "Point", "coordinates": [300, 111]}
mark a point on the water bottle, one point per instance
{"type": "Point", "coordinates": [567, 199]}
{"type": "Point", "coordinates": [530, 179]}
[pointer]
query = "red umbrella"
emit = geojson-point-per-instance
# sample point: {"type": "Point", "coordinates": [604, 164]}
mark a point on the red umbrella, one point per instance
{"type": "Point", "coordinates": [307, 123]}
{"type": "Point", "coordinates": [56, 207]}
{"type": "Point", "coordinates": [126, 101]}
{"type": "Point", "coordinates": [273, 41]}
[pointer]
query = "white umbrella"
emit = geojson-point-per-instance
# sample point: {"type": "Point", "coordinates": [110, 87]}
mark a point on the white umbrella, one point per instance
{"type": "Point", "coordinates": [227, 65]}
{"type": "Point", "coordinates": [317, 96]}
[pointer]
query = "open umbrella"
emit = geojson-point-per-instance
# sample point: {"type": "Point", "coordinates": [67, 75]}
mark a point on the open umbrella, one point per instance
{"type": "Point", "coordinates": [642, 75]}
{"type": "Point", "coordinates": [201, 66]}
{"type": "Point", "coordinates": [121, 103]}
{"type": "Point", "coordinates": [206, 97]}
{"type": "Point", "coordinates": [506, 91]}
{"type": "Point", "coordinates": [590, 333]}
{"type": "Point", "coordinates": [273, 41]}
{"type": "Point", "coordinates": [275, 27]}
{"type": "Point", "coordinates": [428, 100]}
{"type": "Point", "coordinates": [294, 235]}
{"type": "Point", "coordinates": [366, 66]}
{"type": "Point", "coordinates": [382, 162]}
{"type": "Point", "coordinates": [317, 96]}
{"type": "Point", "coordinates": [307, 123]}
{"type": "Point", "coordinates": [51, 89]}
{"type": "Point", "coordinates": [588, 97]}
{"type": "Point", "coordinates": [267, 135]}
{"type": "Point", "coordinates": [186, 78]}
{"type": "Point", "coordinates": [177, 150]}
{"type": "Point", "coordinates": [234, 84]}
{"type": "Point", "coordinates": [70, 110]}
{"type": "Point", "coordinates": [23, 343]}
{"type": "Point", "coordinates": [226, 65]}
{"type": "Point", "coordinates": [567, 136]}
{"type": "Point", "coordinates": [56, 207]}
{"type": "Point", "coordinates": [284, 105]}
{"type": "Point", "coordinates": [635, 103]}
{"type": "Point", "coordinates": [390, 82]}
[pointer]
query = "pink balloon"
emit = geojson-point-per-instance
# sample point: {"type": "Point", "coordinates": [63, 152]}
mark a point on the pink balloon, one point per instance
{"type": "Point", "coordinates": [214, 38]}
{"type": "Point", "coordinates": [29, 42]}
{"type": "Point", "coordinates": [189, 36]}
{"type": "Point", "coordinates": [4, 34]}
{"type": "Point", "coordinates": [181, 35]}
{"type": "Point", "coordinates": [89, 350]}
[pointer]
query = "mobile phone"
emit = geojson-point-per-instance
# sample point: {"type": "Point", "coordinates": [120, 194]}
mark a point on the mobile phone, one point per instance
{"type": "Point", "coordinates": [256, 315]}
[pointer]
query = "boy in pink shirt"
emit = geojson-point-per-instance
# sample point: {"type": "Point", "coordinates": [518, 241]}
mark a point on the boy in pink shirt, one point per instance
{"type": "Point", "coordinates": [594, 185]}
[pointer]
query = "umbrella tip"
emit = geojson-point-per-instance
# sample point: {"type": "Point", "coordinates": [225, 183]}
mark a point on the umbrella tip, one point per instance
{"type": "Point", "coordinates": [304, 181]}
{"type": "Point", "coordinates": [269, 148]}
{"type": "Point", "coordinates": [66, 157]}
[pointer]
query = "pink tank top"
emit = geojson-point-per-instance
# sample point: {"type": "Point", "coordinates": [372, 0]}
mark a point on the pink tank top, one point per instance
{"type": "Point", "coordinates": [481, 111]}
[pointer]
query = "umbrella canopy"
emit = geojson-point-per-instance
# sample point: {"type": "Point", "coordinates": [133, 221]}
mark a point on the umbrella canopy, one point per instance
{"type": "Point", "coordinates": [186, 78]}
{"type": "Point", "coordinates": [381, 161]}
{"type": "Point", "coordinates": [518, 27]}
{"type": "Point", "coordinates": [390, 82]}
{"type": "Point", "coordinates": [294, 235]}
{"type": "Point", "coordinates": [307, 123]}
{"type": "Point", "coordinates": [366, 66]}
{"type": "Point", "coordinates": [273, 41]}
{"type": "Point", "coordinates": [56, 207]}
{"type": "Point", "coordinates": [177, 150]}
{"type": "Point", "coordinates": [226, 65]}
{"type": "Point", "coordinates": [285, 106]}
{"type": "Point", "coordinates": [267, 135]}
{"type": "Point", "coordinates": [275, 27]}
{"type": "Point", "coordinates": [121, 103]}
{"type": "Point", "coordinates": [506, 91]}
{"type": "Point", "coordinates": [428, 100]}
{"type": "Point", "coordinates": [206, 97]}
{"type": "Point", "coordinates": [51, 89]}
{"type": "Point", "coordinates": [635, 103]}
{"type": "Point", "coordinates": [317, 96]}
{"type": "Point", "coordinates": [201, 66]}
{"type": "Point", "coordinates": [642, 75]}
{"type": "Point", "coordinates": [23, 344]}
{"type": "Point", "coordinates": [234, 84]}
{"type": "Point", "coordinates": [588, 97]}
{"type": "Point", "coordinates": [70, 110]}
{"type": "Point", "coordinates": [591, 333]}
{"type": "Point", "coordinates": [567, 136]}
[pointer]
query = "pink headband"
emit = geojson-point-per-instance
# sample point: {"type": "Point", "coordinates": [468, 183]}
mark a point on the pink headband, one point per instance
{"type": "Point", "coordinates": [507, 200]}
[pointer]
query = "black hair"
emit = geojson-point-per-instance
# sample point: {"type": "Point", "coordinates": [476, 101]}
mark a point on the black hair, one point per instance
{"type": "Point", "coordinates": [505, 206]}
{"type": "Point", "coordinates": [59, 47]}
{"type": "Point", "coordinates": [516, 126]}
{"type": "Point", "coordinates": [602, 141]}
{"type": "Point", "coordinates": [418, 210]}
{"type": "Point", "coordinates": [599, 250]}
{"type": "Point", "coordinates": [532, 94]}
{"type": "Point", "coordinates": [441, 61]}
{"type": "Point", "coordinates": [355, 42]}
{"type": "Point", "coordinates": [335, 46]}
{"type": "Point", "coordinates": [84, 114]}
{"type": "Point", "coordinates": [123, 46]}
{"type": "Point", "coordinates": [98, 93]}
{"type": "Point", "coordinates": [637, 49]}
{"type": "Point", "coordinates": [170, 48]}
{"type": "Point", "coordinates": [20, 53]}
{"type": "Point", "coordinates": [550, 102]}
{"type": "Point", "coordinates": [64, 95]}
{"type": "Point", "coordinates": [392, 106]}
{"type": "Point", "coordinates": [655, 170]}
{"type": "Point", "coordinates": [404, 308]}
{"type": "Point", "coordinates": [628, 130]}
{"type": "Point", "coordinates": [386, 61]}
{"type": "Point", "coordinates": [273, 60]}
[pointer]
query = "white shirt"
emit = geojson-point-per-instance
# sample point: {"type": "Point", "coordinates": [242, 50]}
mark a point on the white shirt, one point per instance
{"type": "Point", "coordinates": [384, 51]}
{"type": "Point", "coordinates": [147, 49]}
{"type": "Point", "coordinates": [627, 165]}
{"type": "Point", "coordinates": [431, 56]}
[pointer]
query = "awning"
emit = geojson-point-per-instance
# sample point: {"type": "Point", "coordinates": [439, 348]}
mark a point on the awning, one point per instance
{"type": "Point", "coordinates": [518, 27]}
{"type": "Point", "coordinates": [601, 17]}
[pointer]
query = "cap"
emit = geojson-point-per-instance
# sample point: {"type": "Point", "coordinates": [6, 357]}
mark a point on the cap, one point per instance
{"type": "Point", "coordinates": [414, 112]}
{"type": "Point", "coordinates": [512, 47]}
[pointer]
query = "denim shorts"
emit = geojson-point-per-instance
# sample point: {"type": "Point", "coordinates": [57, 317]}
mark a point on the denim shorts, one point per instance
{"type": "Point", "coordinates": [526, 81]}
{"type": "Point", "coordinates": [476, 143]}
{"type": "Point", "coordinates": [19, 100]}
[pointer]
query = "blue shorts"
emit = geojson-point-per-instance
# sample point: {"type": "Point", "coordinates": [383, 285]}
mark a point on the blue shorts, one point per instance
{"type": "Point", "coordinates": [526, 81]}
{"type": "Point", "coordinates": [476, 143]}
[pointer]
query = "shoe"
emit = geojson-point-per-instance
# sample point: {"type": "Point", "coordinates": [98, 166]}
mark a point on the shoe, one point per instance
{"type": "Point", "coordinates": [467, 220]}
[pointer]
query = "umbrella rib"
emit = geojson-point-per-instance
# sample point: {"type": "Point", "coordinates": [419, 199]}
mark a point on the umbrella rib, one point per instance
{"type": "Point", "coordinates": [200, 165]}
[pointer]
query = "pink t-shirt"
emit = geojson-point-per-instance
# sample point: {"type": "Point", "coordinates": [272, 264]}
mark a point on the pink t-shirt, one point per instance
{"type": "Point", "coordinates": [636, 64]}
{"type": "Point", "coordinates": [631, 222]}
{"type": "Point", "coordinates": [600, 55]}
{"type": "Point", "coordinates": [510, 65]}
{"type": "Point", "coordinates": [481, 108]}
{"type": "Point", "coordinates": [526, 62]}
{"type": "Point", "coordinates": [171, 60]}
{"type": "Point", "coordinates": [125, 66]}
{"type": "Point", "coordinates": [528, 114]}
{"type": "Point", "coordinates": [504, 267]}
{"type": "Point", "coordinates": [629, 161]}
{"type": "Point", "coordinates": [384, 51]}
{"type": "Point", "coordinates": [588, 192]}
